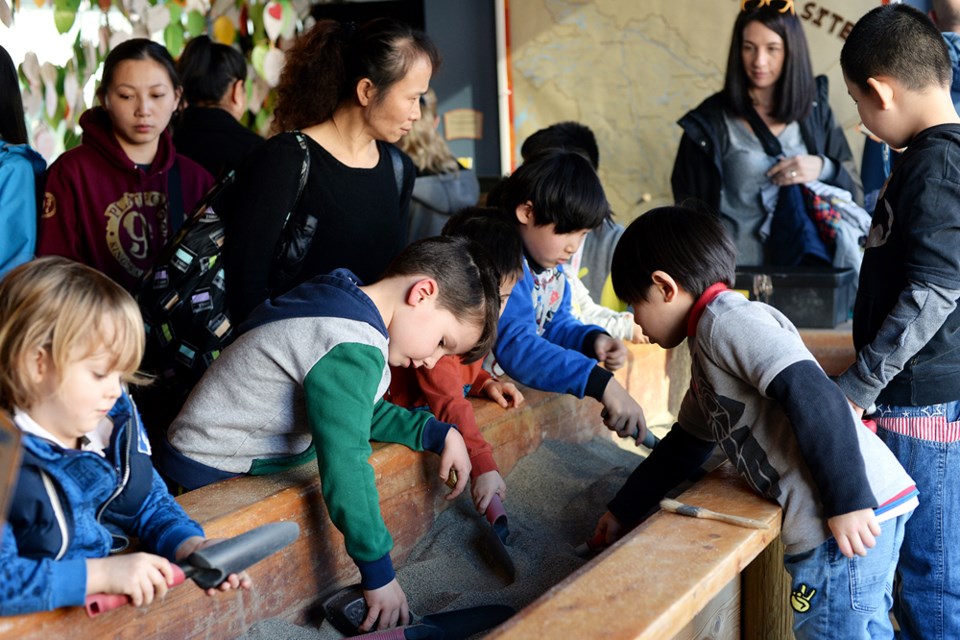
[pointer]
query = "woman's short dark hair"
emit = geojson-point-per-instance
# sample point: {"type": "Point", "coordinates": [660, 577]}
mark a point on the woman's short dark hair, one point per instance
{"type": "Point", "coordinates": [325, 64]}
{"type": "Point", "coordinates": [468, 284]}
{"type": "Point", "coordinates": [562, 187]}
{"type": "Point", "coordinates": [691, 246]}
{"type": "Point", "coordinates": [900, 42]}
{"type": "Point", "coordinates": [208, 69]}
{"type": "Point", "coordinates": [13, 127]}
{"type": "Point", "coordinates": [136, 49]}
{"type": "Point", "coordinates": [492, 229]}
{"type": "Point", "coordinates": [796, 88]}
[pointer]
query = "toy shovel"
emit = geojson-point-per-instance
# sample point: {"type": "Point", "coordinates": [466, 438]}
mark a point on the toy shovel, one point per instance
{"type": "Point", "coordinates": [495, 535]}
{"type": "Point", "coordinates": [210, 566]}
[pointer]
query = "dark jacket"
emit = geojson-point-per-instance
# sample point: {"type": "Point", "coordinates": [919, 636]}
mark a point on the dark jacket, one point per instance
{"type": "Point", "coordinates": [698, 169]}
{"type": "Point", "coordinates": [436, 197]}
{"type": "Point", "coordinates": [213, 138]}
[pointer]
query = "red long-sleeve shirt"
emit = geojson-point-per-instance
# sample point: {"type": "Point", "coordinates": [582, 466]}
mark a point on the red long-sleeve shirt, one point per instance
{"type": "Point", "coordinates": [445, 389]}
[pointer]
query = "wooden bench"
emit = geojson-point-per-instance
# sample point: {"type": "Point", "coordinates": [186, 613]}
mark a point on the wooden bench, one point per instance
{"type": "Point", "coordinates": [290, 584]}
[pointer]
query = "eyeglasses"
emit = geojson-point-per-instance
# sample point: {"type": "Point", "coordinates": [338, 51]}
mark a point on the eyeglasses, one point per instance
{"type": "Point", "coordinates": [783, 6]}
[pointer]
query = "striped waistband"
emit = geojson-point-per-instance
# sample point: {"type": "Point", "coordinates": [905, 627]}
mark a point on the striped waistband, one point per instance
{"type": "Point", "coordinates": [934, 428]}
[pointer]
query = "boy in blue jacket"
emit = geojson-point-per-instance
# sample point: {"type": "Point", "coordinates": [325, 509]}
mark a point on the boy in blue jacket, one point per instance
{"type": "Point", "coordinates": [557, 199]}
{"type": "Point", "coordinates": [69, 337]}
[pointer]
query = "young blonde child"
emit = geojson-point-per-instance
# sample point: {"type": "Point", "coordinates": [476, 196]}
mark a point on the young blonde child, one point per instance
{"type": "Point", "coordinates": [69, 339]}
{"type": "Point", "coordinates": [142, 189]}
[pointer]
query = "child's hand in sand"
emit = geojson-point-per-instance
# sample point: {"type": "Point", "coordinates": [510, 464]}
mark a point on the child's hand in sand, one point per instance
{"type": "Point", "coordinates": [499, 392]}
{"type": "Point", "coordinates": [608, 529]}
{"type": "Point", "coordinates": [455, 459]}
{"type": "Point", "coordinates": [485, 486]}
{"type": "Point", "coordinates": [388, 604]}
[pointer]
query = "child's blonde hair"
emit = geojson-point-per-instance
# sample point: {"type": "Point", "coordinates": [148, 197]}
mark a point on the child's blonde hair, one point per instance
{"type": "Point", "coordinates": [58, 305]}
{"type": "Point", "coordinates": [429, 152]}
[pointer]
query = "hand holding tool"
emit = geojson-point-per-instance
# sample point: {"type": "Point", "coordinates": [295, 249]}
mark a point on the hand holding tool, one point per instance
{"type": "Point", "coordinates": [649, 440]}
{"type": "Point", "coordinates": [496, 535]}
{"type": "Point", "coordinates": [347, 608]}
{"type": "Point", "coordinates": [590, 547]}
{"type": "Point", "coordinates": [210, 566]}
{"type": "Point", "coordinates": [674, 506]}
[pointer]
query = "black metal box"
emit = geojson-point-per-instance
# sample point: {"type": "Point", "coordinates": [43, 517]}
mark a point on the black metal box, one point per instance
{"type": "Point", "coordinates": [811, 297]}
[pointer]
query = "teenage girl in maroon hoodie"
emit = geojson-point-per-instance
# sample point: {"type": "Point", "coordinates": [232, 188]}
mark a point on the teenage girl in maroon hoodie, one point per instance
{"type": "Point", "coordinates": [108, 201]}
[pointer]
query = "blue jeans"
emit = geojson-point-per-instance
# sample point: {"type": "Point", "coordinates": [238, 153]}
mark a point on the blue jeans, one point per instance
{"type": "Point", "coordinates": [835, 597]}
{"type": "Point", "coordinates": [928, 595]}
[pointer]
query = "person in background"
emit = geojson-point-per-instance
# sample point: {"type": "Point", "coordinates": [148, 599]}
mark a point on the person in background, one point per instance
{"type": "Point", "coordinates": [113, 201]}
{"type": "Point", "coordinates": [214, 90]}
{"type": "Point", "coordinates": [906, 324]}
{"type": "Point", "coordinates": [21, 174]}
{"type": "Point", "coordinates": [721, 166]}
{"type": "Point", "coordinates": [444, 388]}
{"type": "Point", "coordinates": [70, 338]}
{"type": "Point", "coordinates": [353, 91]}
{"type": "Point", "coordinates": [588, 271]}
{"type": "Point", "coordinates": [443, 186]}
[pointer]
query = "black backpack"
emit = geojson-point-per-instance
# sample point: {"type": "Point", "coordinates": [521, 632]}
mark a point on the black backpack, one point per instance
{"type": "Point", "coordinates": [183, 302]}
{"type": "Point", "coordinates": [183, 296]}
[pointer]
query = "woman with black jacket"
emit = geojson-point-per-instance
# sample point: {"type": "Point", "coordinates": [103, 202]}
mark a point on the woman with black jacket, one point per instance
{"type": "Point", "coordinates": [722, 167]}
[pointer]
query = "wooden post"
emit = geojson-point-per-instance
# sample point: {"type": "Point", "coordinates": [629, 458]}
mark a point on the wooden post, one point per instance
{"type": "Point", "coordinates": [765, 597]}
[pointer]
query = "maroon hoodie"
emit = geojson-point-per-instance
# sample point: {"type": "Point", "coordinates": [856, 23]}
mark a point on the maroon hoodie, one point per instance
{"type": "Point", "coordinates": [101, 209]}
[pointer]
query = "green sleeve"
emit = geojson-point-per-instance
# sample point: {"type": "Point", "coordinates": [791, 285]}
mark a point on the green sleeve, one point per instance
{"type": "Point", "coordinates": [397, 424]}
{"type": "Point", "coordinates": [340, 393]}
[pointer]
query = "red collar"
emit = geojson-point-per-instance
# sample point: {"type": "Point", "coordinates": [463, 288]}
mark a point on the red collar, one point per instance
{"type": "Point", "coordinates": [701, 304]}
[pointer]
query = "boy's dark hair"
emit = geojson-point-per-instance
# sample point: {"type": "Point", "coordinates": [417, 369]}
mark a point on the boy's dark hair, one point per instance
{"type": "Point", "coordinates": [207, 69]}
{"type": "Point", "coordinates": [468, 286]}
{"type": "Point", "coordinates": [493, 231]}
{"type": "Point", "coordinates": [136, 49]}
{"type": "Point", "coordinates": [691, 246]}
{"type": "Point", "coordinates": [325, 63]}
{"type": "Point", "coordinates": [13, 128]}
{"type": "Point", "coordinates": [561, 185]}
{"type": "Point", "coordinates": [900, 42]}
{"type": "Point", "coordinates": [569, 135]}
{"type": "Point", "coordinates": [796, 88]}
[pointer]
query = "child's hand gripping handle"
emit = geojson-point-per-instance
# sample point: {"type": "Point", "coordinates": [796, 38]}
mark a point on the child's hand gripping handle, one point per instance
{"type": "Point", "coordinates": [101, 602]}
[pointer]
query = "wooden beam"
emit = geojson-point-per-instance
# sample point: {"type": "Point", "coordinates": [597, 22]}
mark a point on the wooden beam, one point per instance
{"type": "Point", "coordinates": [656, 579]}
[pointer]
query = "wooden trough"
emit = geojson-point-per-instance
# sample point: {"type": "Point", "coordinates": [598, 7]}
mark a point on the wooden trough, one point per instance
{"type": "Point", "coordinates": [700, 582]}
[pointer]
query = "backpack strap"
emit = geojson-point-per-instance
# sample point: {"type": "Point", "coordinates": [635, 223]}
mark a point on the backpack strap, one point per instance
{"type": "Point", "coordinates": [175, 196]}
{"type": "Point", "coordinates": [397, 167]}
{"type": "Point", "coordinates": [769, 141]}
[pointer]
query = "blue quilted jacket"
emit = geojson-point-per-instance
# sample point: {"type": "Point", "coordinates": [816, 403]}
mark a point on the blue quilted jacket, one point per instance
{"type": "Point", "coordinates": [72, 505]}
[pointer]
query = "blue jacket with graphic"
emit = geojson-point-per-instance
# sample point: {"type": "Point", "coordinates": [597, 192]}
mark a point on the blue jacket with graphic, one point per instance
{"type": "Point", "coordinates": [71, 505]}
{"type": "Point", "coordinates": [541, 344]}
